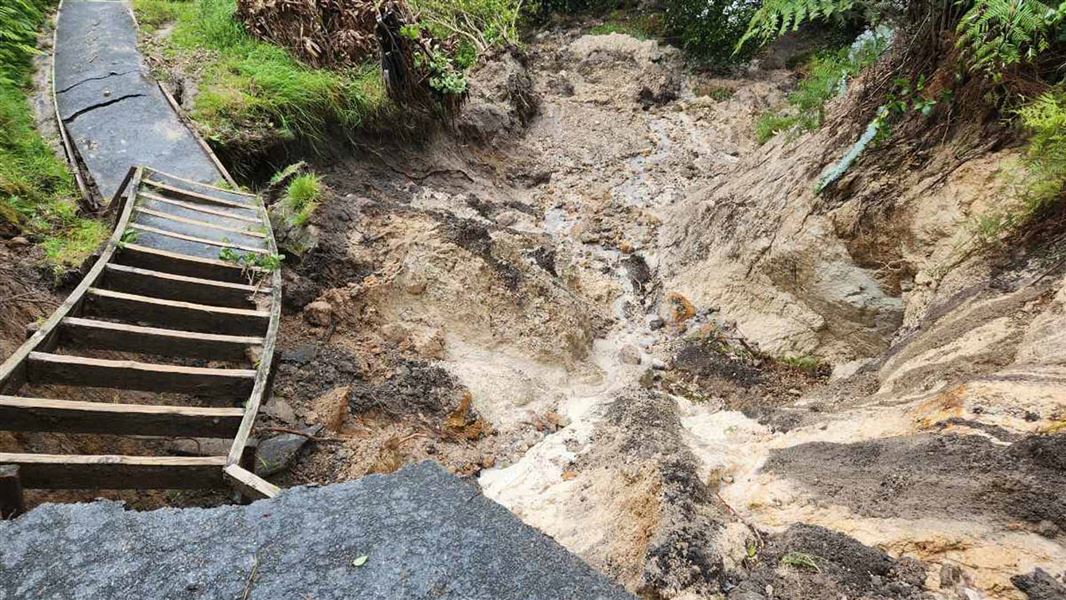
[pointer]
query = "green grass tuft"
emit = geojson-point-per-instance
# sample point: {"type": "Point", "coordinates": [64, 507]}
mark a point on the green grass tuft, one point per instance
{"type": "Point", "coordinates": [800, 560]}
{"type": "Point", "coordinates": [302, 197]}
{"type": "Point", "coordinates": [249, 86]}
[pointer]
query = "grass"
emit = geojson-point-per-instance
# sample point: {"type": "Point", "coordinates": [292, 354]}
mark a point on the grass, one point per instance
{"type": "Point", "coordinates": [302, 197]}
{"type": "Point", "coordinates": [640, 26]}
{"type": "Point", "coordinates": [37, 192]}
{"type": "Point", "coordinates": [249, 87]}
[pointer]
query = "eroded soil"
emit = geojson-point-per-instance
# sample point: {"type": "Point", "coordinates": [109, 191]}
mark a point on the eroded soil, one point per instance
{"type": "Point", "coordinates": [581, 296]}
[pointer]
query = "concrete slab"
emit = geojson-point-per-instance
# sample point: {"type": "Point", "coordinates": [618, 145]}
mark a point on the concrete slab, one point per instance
{"type": "Point", "coordinates": [114, 112]}
{"type": "Point", "coordinates": [425, 534]}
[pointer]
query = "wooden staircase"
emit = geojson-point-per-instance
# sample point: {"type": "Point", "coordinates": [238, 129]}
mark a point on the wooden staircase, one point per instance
{"type": "Point", "coordinates": [160, 312]}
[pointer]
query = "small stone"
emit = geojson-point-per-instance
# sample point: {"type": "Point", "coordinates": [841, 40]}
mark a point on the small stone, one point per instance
{"type": "Point", "coordinates": [488, 461]}
{"type": "Point", "coordinates": [431, 346]}
{"type": "Point", "coordinates": [1047, 529]}
{"type": "Point", "coordinates": [280, 410]}
{"type": "Point", "coordinates": [319, 313]}
{"type": "Point", "coordinates": [677, 308]}
{"type": "Point", "coordinates": [625, 247]}
{"type": "Point", "coordinates": [746, 595]}
{"type": "Point", "coordinates": [655, 322]}
{"type": "Point", "coordinates": [277, 453]}
{"type": "Point", "coordinates": [300, 355]}
{"type": "Point", "coordinates": [394, 332]}
{"type": "Point", "coordinates": [658, 364]}
{"type": "Point", "coordinates": [629, 354]}
{"type": "Point", "coordinates": [18, 241]}
{"type": "Point", "coordinates": [950, 576]}
{"type": "Point", "coordinates": [507, 218]}
{"type": "Point", "coordinates": [416, 287]}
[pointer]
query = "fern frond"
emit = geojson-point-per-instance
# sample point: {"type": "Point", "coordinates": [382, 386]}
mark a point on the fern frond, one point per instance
{"type": "Point", "coordinates": [999, 33]}
{"type": "Point", "coordinates": [777, 17]}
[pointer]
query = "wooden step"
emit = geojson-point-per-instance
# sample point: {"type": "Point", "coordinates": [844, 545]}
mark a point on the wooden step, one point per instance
{"type": "Point", "coordinates": [136, 255]}
{"type": "Point", "coordinates": [116, 472]}
{"type": "Point", "coordinates": [70, 416]}
{"type": "Point", "coordinates": [199, 240]}
{"type": "Point", "coordinates": [187, 316]}
{"type": "Point", "coordinates": [198, 224]}
{"type": "Point", "coordinates": [193, 196]}
{"type": "Point", "coordinates": [60, 369]}
{"type": "Point", "coordinates": [199, 186]}
{"type": "Point", "coordinates": [158, 284]}
{"type": "Point", "coordinates": [77, 332]}
{"type": "Point", "coordinates": [189, 209]}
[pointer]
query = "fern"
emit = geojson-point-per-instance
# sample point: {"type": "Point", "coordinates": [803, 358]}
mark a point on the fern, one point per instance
{"type": "Point", "coordinates": [777, 17]}
{"type": "Point", "coordinates": [999, 33]}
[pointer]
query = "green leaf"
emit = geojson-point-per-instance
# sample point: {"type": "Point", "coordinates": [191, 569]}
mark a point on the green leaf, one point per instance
{"type": "Point", "coordinates": [360, 561]}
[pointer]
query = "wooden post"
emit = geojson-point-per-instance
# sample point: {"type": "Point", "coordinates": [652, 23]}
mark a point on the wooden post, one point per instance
{"type": "Point", "coordinates": [11, 502]}
{"type": "Point", "coordinates": [248, 458]}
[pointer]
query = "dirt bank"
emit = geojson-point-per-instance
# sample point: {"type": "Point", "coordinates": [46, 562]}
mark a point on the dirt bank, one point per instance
{"type": "Point", "coordinates": [580, 296]}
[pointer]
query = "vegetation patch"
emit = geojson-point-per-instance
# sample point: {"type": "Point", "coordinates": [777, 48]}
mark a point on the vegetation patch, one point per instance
{"type": "Point", "coordinates": [37, 192]}
{"type": "Point", "coordinates": [250, 88]}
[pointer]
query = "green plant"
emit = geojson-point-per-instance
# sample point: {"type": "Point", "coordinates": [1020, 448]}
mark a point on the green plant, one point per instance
{"type": "Point", "coordinates": [999, 33]}
{"type": "Point", "coordinates": [37, 193]}
{"type": "Point", "coordinates": [267, 263]}
{"type": "Point", "coordinates": [481, 23]}
{"type": "Point", "coordinates": [800, 560]}
{"type": "Point", "coordinates": [302, 197]}
{"type": "Point", "coordinates": [769, 124]}
{"type": "Point", "coordinates": [709, 29]}
{"type": "Point", "coordinates": [251, 88]}
{"type": "Point", "coordinates": [774, 18]}
{"type": "Point", "coordinates": [827, 77]}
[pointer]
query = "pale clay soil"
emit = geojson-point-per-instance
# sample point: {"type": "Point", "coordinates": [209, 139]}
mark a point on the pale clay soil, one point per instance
{"type": "Point", "coordinates": [551, 300]}
{"type": "Point", "coordinates": [532, 263]}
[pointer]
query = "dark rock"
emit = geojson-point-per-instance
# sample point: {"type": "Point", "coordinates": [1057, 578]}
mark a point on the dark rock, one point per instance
{"type": "Point", "coordinates": [277, 453]}
{"type": "Point", "coordinates": [1040, 585]}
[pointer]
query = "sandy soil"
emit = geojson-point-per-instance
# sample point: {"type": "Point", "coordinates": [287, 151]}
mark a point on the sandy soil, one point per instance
{"type": "Point", "coordinates": [581, 295]}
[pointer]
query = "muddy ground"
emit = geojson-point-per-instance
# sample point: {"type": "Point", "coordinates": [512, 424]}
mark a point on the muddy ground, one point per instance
{"type": "Point", "coordinates": [581, 296]}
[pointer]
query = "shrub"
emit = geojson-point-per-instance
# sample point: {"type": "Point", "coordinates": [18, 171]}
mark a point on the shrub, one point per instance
{"type": "Point", "coordinates": [709, 29]}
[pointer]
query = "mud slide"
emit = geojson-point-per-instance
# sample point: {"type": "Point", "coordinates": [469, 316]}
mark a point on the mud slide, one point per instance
{"type": "Point", "coordinates": [583, 297]}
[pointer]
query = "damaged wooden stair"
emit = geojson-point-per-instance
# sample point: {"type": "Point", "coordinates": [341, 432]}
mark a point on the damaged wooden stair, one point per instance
{"type": "Point", "coordinates": [159, 312]}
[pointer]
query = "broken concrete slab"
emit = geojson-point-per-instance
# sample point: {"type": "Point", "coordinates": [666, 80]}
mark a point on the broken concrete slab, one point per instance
{"type": "Point", "coordinates": [114, 112]}
{"type": "Point", "coordinates": [424, 532]}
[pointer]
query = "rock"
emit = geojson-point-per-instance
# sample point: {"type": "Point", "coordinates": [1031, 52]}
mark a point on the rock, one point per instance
{"type": "Point", "coordinates": [280, 410]}
{"type": "Point", "coordinates": [416, 287]}
{"type": "Point", "coordinates": [431, 346]}
{"type": "Point", "coordinates": [395, 333]}
{"type": "Point", "coordinates": [319, 313]}
{"type": "Point", "coordinates": [746, 595]}
{"type": "Point", "coordinates": [655, 322]}
{"type": "Point", "coordinates": [950, 576]}
{"type": "Point", "coordinates": [1039, 585]}
{"type": "Point", "coordinates": [658, 364]}
{"type": "Point", "coordinates": [630, 354]}
{"type": "Point", "coordinates": [299, 355]}
{"type": "Point", "coordinates": [676, 308]}
{"type": "Point", "coordinates": [1047, 529]}
{"type": "Point", "coordinates": [18, 242]}
{"type": "Point", "coordinates": [197, 447]}
{"type": "Point", "coordinates": [277, 453]}
{"type": "Point", "coordinates": [331, 409]}
{"type": "Point", "coordinates": [507, 218]}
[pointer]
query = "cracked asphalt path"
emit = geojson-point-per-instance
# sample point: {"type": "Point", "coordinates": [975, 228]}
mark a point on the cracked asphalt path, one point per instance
{"type": "Point", "coordinates": [114, 112]}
